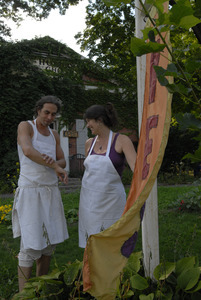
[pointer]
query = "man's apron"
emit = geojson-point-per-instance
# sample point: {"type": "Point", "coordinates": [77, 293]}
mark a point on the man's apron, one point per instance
{"type": "Point", "coordinates": [102, 198]}
{"type": "Point", "coordinates": [38, 213]}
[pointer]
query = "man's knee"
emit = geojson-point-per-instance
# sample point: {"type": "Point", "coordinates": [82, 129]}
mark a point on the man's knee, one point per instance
{"type": "Point", "coordinates": [27, 257]}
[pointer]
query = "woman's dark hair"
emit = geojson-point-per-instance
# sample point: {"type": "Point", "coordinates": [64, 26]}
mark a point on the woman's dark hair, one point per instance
{"type": "Point", "coordinates": [47, 99]}
{"type": "Point", "coordinates": [107, 114]}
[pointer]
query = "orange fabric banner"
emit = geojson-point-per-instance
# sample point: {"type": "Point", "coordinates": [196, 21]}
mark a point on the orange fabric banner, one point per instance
{"type": "Point", "coordinates": [107, 252]}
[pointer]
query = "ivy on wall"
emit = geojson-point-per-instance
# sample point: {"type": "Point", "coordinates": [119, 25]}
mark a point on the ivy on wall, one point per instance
{"type": "Point", "coordinates": [22, 83]}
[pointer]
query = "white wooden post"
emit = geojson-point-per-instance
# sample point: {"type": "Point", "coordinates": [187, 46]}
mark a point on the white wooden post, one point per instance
{"type": "Point", "coordinates": [150, 235]}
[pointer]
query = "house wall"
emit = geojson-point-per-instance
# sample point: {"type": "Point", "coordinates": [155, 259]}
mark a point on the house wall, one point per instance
{"type": "Point", "coordinates": [73, 142]}
{"type": "Point", "coordinates": [82, 136]}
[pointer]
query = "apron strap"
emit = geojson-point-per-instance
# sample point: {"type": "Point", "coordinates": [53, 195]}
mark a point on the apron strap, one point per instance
{"type": "Point", "coordinates": [93, 145]}
{"type": "Point", "coordinates": [108, 145]}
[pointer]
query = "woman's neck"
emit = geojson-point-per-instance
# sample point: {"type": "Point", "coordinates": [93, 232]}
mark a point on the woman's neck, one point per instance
{"type": "Point", "coordinates": [103, 134]}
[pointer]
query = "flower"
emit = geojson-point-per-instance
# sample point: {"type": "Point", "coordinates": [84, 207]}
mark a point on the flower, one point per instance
{"type": "Point", "coordinates": [4, 211]}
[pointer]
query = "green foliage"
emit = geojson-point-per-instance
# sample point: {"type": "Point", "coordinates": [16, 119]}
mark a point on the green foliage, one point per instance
{"type": "Point", "coordinates": [37, 9]}
{"type": "Point", "coordinates": [127, 176]}
{"type": "Point", "coordinates": [188, 121]}
{"type": "Point", "coordinates": [22, 83]}
{"type": "Point", "coordinates": [181, 15]}
{"type": "Point", "coordinates": [190, 201]}
{"type": "Point", "coordinates": [72, 215]}
{"type": "Point", "coordinates": [107, 37]}
{"type": "Point", "coordinates": [179, 238]}
{"type": "Point", "coordinates": [174, 281]}
{"type": "Point", "coordinates": [58, 284]}
{"type": "Point", "coordinates": [180, 142]}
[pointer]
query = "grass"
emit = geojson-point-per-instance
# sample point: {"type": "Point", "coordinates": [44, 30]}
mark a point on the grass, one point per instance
{"type": "Point", "coordinates": [179, 236]}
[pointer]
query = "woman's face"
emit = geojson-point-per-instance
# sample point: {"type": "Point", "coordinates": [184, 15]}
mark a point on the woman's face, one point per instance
{"type": "Point", "coordinates": [93, 125]}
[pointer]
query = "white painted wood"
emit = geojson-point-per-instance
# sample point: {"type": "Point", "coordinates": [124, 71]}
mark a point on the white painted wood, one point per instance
{"type": "Point", "coordinates": [150, 235]}
{"type": "Point", "coordinates": [82, 136]}
{"type": "Point", "coordinates": [65, 147]}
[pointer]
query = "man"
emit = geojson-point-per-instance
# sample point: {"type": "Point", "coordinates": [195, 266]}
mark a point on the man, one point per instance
{"type": "Point", "coordinates": [38, 214]}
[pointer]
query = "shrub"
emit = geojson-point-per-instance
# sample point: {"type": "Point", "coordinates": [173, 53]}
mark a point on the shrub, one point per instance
{"type": "Point", "coordinates": [127, 176]}
{"type": "Point", "coordinates": [190, 201]}
{"type": "Point", "coordinates": [178, 280]}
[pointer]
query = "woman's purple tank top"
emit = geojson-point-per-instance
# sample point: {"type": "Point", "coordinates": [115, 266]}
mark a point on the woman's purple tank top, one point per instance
{"type": "Point", "coordinates": [118, 159]}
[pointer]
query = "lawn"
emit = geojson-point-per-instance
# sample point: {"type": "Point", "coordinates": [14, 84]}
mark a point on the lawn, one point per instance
{"type": "Point", "coordinates": [179, 236]}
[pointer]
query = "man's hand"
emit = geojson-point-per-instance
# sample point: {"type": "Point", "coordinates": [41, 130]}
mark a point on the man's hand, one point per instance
{"type": "Point", "coordinates": [49, 160]}
{"type": "Point", "coordinates": [62, 174]}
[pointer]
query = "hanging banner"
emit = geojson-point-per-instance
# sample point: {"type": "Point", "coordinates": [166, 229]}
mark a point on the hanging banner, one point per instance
{"type": "Point", "coordinates": [107, 252]}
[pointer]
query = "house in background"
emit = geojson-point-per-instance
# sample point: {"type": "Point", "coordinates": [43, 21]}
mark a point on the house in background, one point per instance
{"type": "Point", "coordinates": [85, 74]}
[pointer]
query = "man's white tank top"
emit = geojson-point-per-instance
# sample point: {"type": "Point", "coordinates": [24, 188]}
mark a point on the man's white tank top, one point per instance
{"type": "Point", "coordinates": [34, 174]}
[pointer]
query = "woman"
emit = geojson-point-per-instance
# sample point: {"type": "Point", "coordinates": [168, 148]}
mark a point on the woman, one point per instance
{"type": "Point", "coordinates": [103, 198]}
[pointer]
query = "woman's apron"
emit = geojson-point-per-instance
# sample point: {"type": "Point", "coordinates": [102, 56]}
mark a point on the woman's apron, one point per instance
{"type": "Point", "coordinates": [102, 198]}
{"type": "Point", "coordinates": [38, 214]}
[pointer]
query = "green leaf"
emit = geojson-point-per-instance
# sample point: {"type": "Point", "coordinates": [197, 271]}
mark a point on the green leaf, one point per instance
{"type": "Point", "coordinates": [188, 121]}
{"type": "Point", "coordinates": [146, 31]}
{"type": "Point", "coordinates": [170, 71]}
{"type": "Point", "coordinates": [166, 295]}
{"type": "Point", "coordinates": [178, 88]}
{"type": "Point", "coordinates": [188, 22]}
{"type": "Point", "coordinates": [192, 65]}
{"type": "Point", "coordinates": [140, 47]}
{"type": "Point", "coordinates": [138, 282]}
{"type": "Point", "coordinates": [162, 80]}
{"type": "Point", "coordinates": [147, 297]}
{"type": "Point", "coordinates": [134, 262]}
{"type": "Point", "coordinates": [159, 70]}
{"type": "Point", "coordinates": [196, 157]}
{"type": "Point", "coordinates": [181, 15]}
{"type": "Point", "coordinates": [163, 270]}
{"type": "Point", "coordinates": [188, 278]}
{"type": "Point", "coordinates": [71, 272]}
{"type": "Point", "coordinates": [185, 264]}
{"type": "Point", "coordinates": [158, 4]}
{"type": "Point", "coordinates": [197, 288]}
{"type": "Point", "coordinates": [128, 294]}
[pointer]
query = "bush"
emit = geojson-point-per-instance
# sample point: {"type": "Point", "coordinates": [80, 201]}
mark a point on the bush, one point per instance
{"type": "Point", "coordinates": [190, 201]}
{"type": "Point", "coordinates": [127, 176]}
{"type": "Point", "coordinates": [178, 280]}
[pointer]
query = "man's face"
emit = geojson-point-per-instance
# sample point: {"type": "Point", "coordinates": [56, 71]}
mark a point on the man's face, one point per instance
{"type": "Point", "coordinates": [47, 114]}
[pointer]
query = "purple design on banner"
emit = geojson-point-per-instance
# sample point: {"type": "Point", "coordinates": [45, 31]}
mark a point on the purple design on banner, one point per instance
{"type": "Point", "coordinates": [129, 245]}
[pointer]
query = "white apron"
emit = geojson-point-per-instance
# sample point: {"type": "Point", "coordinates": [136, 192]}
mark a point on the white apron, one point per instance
{"type": "Point", "coordinates": [38, 214]}
{"type": "Point", "coordinates": [102, 197]}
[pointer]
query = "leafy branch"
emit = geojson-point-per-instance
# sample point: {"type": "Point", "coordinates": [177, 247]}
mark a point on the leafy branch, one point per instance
{"type": "Point", "coordinates": [182, 14]}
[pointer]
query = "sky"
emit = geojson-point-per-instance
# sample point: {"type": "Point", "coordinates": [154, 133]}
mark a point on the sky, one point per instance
{"type": "Point", "coordinates": [60, 28]}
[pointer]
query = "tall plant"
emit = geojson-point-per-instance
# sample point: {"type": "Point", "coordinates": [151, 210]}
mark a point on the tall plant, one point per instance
{"type": "Point", "coordinates": [183, 15]}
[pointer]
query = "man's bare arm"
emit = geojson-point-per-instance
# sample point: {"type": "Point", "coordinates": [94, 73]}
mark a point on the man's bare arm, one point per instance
{"type": "Point", "coordinates": [24, 139]}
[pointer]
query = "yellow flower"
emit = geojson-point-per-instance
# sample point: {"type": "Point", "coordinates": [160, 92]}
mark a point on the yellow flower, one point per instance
{"type": "Point", "coordinates": [4, 210]}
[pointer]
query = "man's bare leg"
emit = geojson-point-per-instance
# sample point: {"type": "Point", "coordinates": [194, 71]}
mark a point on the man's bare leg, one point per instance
{"type": "Point", "coordinates": [42, 265]}
{"type": "Point", "coordinates": [24, 273]}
